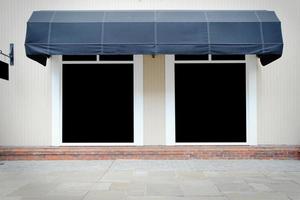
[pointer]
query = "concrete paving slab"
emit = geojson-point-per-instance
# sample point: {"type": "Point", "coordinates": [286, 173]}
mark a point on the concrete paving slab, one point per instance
{"type": "Point", "coordinates": [199, 188]}
{"type": "Point", "coordinates": [294, 196]}
{"type": "Point", "coordinates": [284, 187]}
{"type": "Point", "coordinates": [101, 186]}
{"type": "Point", "coordinates": [11, 198]}
{"type": "Point", "coordinates": [190, 175]}
{"type": "Point", "coordinates": [55, 197]}
{"type": "Point", "coordinates": [260, 187]}
{"type": "Point", "coordinates": [33, 190]}
{"type": "Point", "coordinates": [234, 187]}
{"type": "Point", "coordinates": [117, 176]}
{"type": "Point", "coordinates": [107, 195]}
{"type": "Point", "coordinates": [176, 198]}
{"type": "Point", "coordinates": [84, 176]}
{"type": "Point", "coordinates": [159, 189]}
{"type": "Point", "coordinates": [257, 196]}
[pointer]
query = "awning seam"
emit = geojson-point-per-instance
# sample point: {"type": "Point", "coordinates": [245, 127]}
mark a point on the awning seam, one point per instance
{"type": "Point", "coordinates": [49, 31]}
{"type": "Point", "coordinates": [208, 32]}
{"type": "Point", "coordinates": [261, 32]}
{"type": "Point", "coordinates": [155, 31]}
{"type": "Point", "coordinates": [102, 31]}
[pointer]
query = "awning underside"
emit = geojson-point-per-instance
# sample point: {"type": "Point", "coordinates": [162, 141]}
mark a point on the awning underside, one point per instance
{"type": "Point", "coordinates": [153, 32]}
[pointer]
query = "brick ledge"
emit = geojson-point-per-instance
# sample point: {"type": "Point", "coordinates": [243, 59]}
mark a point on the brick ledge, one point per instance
{"type": "Point", "coordinates": [270, 152]}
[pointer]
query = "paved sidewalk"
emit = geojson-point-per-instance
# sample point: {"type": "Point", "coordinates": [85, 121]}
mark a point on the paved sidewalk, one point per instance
{"type": "Point", "coordinates": [150, 180]}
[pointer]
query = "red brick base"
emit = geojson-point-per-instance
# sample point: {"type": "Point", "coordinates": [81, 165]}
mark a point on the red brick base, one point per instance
{"type": "Point", "coordinates": [151, 152]}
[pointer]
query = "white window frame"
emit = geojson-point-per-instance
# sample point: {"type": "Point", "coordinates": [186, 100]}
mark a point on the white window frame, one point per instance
{"type": "Point", "coordinates": [56, 79]}
{"type": "Point", "coordinates": [251, 100]}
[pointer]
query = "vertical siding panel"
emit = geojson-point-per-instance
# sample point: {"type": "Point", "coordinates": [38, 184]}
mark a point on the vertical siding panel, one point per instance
{"type": "Point", "coordinates": [154, 100]}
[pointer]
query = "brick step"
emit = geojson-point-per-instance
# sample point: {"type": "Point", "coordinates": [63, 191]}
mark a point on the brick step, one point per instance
{"type": "Point", "coordinates": [151, 152]}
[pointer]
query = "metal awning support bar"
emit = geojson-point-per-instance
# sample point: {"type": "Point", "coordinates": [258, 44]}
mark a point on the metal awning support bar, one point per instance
{"type": "Point", "coordinates": [11, 54]}
{"type": "Point", "coordinates": [4, 54]}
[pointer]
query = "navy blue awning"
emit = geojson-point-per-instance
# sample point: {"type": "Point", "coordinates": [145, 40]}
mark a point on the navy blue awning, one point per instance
{"type": "Point", "coordinates": [154, 32]}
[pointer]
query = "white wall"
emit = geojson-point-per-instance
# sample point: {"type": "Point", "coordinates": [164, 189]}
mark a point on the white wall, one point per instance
{"type": "Point", "coordinates": [25, 100]}
{"type": "Point", "coordinates": [154, 100]}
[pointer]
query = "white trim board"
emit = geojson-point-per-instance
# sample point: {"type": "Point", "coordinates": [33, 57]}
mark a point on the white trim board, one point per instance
{"type": "Point", "coordinates": [56, 73]}
{"type": "Point", "coordinates": [251, 100]}
{"type": "Point", "coordinates": [170, 99]}
{"type": "Point", "coordinates": [56, 88]}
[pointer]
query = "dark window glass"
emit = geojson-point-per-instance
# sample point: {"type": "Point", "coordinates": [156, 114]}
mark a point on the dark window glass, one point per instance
{"type": "Point", "coordinates": [116, 57]}
{"type": "Point", "coordinates": [191, 57]}
{"type": "Point", "coordinates": [80, 58]}
{"type": "Point", "coordinates": [97, 103]}
{"type": "Point", "coordinates": [228, 57]}
{"type": "Point", "coordinates": [210, 102]}
{"type": "Point", "coordinates": [4, 70]}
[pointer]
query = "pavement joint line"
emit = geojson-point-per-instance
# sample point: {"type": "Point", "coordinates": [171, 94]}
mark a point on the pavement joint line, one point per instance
{"type": "Point", "coordinates": [293, 181]}
{"type": "Point", "coordinates": [288, 197]}
{"type": "Point", "coordinates": [85, 195]}
{"type": "Point", "coordinates": [106, 171]}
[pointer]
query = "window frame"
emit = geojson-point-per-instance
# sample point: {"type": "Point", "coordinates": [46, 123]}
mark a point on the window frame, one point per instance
{"type": "Point", "coordinates": [251, 100]}
{"type": "Point", "coordinates": [56, 64]}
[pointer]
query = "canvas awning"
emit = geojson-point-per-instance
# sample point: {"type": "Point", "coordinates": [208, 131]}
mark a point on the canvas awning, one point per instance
{"type": "Point", "coordinates": [154, 32]}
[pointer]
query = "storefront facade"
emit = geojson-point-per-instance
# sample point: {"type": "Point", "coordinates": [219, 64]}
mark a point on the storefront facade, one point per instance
{"type": "Point", "coordinates": [86, 106]}
{"type": "Point", "coordinates": [44, 106]}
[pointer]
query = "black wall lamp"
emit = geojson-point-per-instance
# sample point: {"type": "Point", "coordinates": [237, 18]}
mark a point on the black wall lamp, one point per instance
{"type": "Point", "coordinates": [4, 67]}
{"type": "Point", "coordinates": [10, 55]}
